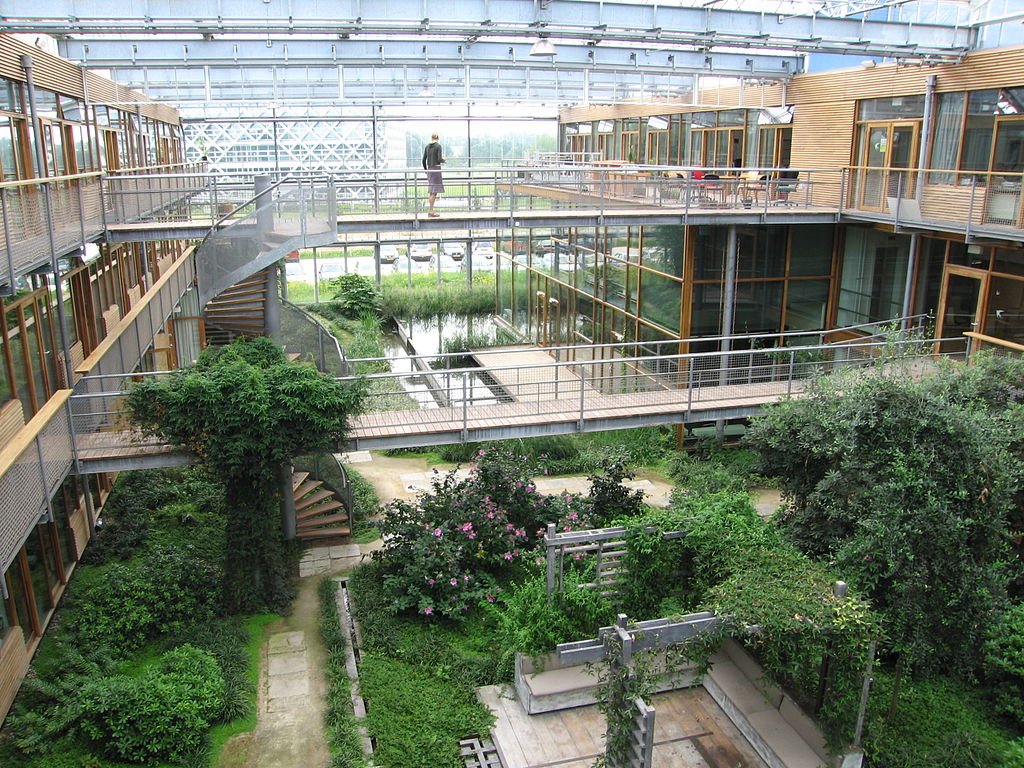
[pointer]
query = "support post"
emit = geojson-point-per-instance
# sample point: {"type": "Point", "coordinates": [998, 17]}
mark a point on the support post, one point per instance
{"type": "Point", "coordinates": [728, 314]}
{"type": "Point", "coordinates": [272, 305]}
{"type": "Point", "coordinates": [287, 502]}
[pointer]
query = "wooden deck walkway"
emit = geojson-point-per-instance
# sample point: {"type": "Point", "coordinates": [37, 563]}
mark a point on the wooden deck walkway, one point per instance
{"type": "Point", "coordinates": [539, 413]}
{"type": "Point", "coordinates": [654, 407]}
{"type": "Point", "coordinates": [690, 731]}
{"type": "Point", "coordinates": [526, 373]}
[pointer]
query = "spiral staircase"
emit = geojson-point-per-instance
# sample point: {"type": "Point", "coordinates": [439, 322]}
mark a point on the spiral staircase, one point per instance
{"type": "Point", "coordinates": [319, 513]}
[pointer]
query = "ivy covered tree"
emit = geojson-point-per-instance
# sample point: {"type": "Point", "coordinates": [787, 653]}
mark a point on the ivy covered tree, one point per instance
{"type": "Point", "coordinates": [245, 411]}
{"type": "Point", "coordinates": [907, 489]}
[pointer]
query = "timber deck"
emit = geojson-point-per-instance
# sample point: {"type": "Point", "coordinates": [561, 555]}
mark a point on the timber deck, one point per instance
{"type": "Point", "coordinates": [690, 731]}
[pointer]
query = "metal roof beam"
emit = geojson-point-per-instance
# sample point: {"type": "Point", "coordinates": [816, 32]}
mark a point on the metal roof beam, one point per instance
{"type": "Point", "coordinates": [583, 20]}
{"type": "Point", "coordinates": [151, 53]}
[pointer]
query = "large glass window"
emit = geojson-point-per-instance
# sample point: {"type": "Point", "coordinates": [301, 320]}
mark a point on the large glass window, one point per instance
{"type": "Point", "coordinates": [806, 303]}
{"type": "Point", "coordinates": [1004, 319]}
{"type": "Point", "coordinates": [42, 568]}
{"type": "Point", "coordinates": [874, 275]}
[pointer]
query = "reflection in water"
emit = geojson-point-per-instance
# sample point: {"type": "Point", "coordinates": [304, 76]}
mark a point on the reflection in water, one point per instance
{"type": "Point", "coordinates": [438, 388]}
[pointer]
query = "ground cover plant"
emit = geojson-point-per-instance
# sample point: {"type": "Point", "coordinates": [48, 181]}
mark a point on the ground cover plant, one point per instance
{"type": "Point", "coordinates": [340, 724]}
{"type": "Point", "coordinates": [572, 454]}
{"type": "Point", "coordinates": [142, 665]}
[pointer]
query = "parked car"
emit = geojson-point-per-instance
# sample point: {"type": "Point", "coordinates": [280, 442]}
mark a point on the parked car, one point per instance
{"type": "Point", "coordinates": [453, 251]}
{"type": "Point", "coordinates": [330, 270]}
{"type": "Point", "coordinates": [421, 252]}
{"type": "Point", "coordinates": [293, 270]}
{"type": "Point", "coordinates": [483, 250]}
{"type": "Point", "coordinates": [388, 254]}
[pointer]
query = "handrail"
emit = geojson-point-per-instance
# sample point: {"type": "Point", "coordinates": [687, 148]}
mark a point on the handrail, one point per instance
{"type": "Point", "coordinates": [48, 179]}
{"type": "Point", "coordinates": [858, 344]}
{"type": "Point", "coordinates": [23, 438]}
{"type": "Point", "coordinates": [982, 338]}
{"type": "Point", "coordinates": [675, 342]}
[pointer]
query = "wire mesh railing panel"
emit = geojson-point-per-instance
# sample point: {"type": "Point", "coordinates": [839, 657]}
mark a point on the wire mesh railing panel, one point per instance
{"type": "Point", "coordinates": [33, 477]}
{"type": "Point", "coordinates": [303, 335]}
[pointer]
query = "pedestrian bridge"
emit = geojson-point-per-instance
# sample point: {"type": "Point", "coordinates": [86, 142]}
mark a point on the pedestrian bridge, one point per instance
{"type": "Point", "coordinates": [521, 391]}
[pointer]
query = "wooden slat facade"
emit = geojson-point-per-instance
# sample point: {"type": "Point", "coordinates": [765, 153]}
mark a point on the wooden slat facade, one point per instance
{"type": "Point", "coordinates": [61, 76]}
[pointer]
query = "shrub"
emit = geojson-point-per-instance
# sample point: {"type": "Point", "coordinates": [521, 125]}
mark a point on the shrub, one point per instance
{"type": "Point", "coordinates": [1003, 657]}
{"type": "Point", "coordinates": [609, 498]}
{"type": "Point", "coordinates": [161, 715]}
{"type": "Point", "coordinates": [355, 296]}
{"type": "Point", "coordinates": [226, 640]}
{"type": "Point", "coordinates": [440, 555]}
{"type": "Point", "coordinates": [133, 602]}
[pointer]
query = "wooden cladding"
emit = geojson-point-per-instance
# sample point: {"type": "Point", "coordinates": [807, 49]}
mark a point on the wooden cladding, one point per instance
{"type": "Point", "coordinates": [61, 76]}
{"type": "Point", "coordinates": [823, 135]}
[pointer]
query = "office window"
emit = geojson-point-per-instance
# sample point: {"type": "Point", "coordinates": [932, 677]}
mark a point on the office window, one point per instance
{"type": "Point", "coordinates": [42, 568]}
{"type": "Point", "coordinates": [892, 108]}
{"type": "Point", "coordinates": [806, 303]}
{"type": "Point", "coordinates": [19, 597]}
{"type": "Point", "coordinates": [948, 120]}
{"type": "Point", "coordinates": [874, 273]}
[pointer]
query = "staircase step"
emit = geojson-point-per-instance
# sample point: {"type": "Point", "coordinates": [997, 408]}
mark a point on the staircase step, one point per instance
{"type": "Point", "coordinates": [307, 486]}
{"type": "Point", "coordinates": [313, 498]}
{"type": "Point", "coordinates": [297, 478]}
{"type": "Point", "coordinates": [322, 533]}
{"type": "Point", "coordinates": [318, 522]}
{"type": "Point", "coordinates": [319, 509]}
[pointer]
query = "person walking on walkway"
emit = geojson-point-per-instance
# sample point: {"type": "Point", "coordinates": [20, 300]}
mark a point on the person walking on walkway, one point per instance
{"type": "Point", "coordinates": [432, 159]}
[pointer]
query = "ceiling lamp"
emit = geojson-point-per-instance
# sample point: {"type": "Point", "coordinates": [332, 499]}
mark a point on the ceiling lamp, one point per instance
{"type": "Point", "coordinates": [543, 47]}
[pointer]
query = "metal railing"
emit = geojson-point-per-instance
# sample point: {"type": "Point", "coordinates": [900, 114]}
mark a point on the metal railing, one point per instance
{"type": "Point", "coordinates": [681, 382]}
{"type": "Point", "coordinates": [306, 336]}
{"type": "Point", "coordinates": [601, 187]}
{"type": "Point", "coordinates": [55, 215]}
{"type": "Point", "coordinates": [978, 201]}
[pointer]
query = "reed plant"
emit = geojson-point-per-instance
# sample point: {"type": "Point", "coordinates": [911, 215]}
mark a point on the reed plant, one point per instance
{"type": "Point", "coordinates": [428, 299]}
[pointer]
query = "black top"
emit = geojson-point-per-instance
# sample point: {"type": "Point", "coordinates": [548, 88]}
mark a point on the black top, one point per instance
{"type": "Point", "coordinates": [432, 155]}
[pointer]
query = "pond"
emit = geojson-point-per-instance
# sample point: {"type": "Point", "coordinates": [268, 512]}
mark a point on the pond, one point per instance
{"type": "Point", "coordinates": [434, 387]}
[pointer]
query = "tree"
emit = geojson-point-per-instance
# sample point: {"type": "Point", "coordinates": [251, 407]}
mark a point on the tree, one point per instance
{"type": "Point", "coordinates": [907, 488]}
{"type": "Point", "coordinates": [245, 412]}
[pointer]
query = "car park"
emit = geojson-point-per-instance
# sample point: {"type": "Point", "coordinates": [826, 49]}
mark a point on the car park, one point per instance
{"type": "Point", "coordinates": [388, 254]}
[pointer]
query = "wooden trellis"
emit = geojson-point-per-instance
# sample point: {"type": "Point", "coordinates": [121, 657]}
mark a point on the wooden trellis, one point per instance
{"type": "Point", "coordinates": [641, 636]}
{"type": "Point", "coordinates": [609, 547]}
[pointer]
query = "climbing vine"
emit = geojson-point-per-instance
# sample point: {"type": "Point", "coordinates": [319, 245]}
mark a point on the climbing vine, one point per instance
{"type": "Point", "coordinates": [619, 685]}
{"type": "Point", "coordinates": [245, 411]}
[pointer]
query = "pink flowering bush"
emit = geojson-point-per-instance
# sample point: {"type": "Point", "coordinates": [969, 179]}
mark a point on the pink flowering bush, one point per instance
{"type": "Point", "coordinates": [442, 554]}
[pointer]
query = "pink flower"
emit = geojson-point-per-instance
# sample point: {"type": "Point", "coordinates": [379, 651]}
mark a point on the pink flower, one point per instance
{"type": "Point", "coordinates": [428, 610]}
{"type": "Point", "coordinates": [430, 582]}
{"type": "Point", "coordinates": [490, 598]}
{"type": "Point", "coordinates": [508, 555]}
{"type": "Point", "coordinates": [453, 582]}
{"type": "Point", "coordinates": [437, 531]}
{"type": "Point", "coordinates": [489, 515]}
